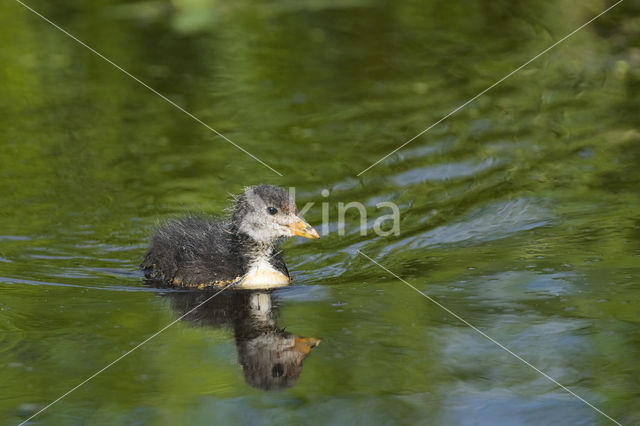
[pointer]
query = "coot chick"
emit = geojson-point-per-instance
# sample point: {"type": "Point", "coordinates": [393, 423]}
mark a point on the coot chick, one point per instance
{"type": "Point", "coordinates": [202, 253]}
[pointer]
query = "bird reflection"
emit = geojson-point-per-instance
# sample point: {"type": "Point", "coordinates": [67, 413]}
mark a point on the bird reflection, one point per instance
{"type": "Point", "coordinates": [271, 358]}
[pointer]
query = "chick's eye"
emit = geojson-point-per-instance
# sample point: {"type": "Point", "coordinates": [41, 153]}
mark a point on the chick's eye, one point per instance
{"type": "Point", "coordinates": [272, 210]}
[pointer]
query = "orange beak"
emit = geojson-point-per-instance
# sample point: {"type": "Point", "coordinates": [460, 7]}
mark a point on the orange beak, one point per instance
{"type": "Point", "coordinates": [303, 229]}
{"type": "Point", "coordinates": [304, 345]}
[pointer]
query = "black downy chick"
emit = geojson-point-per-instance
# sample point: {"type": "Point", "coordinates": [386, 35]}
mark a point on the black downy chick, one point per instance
{"type": "Point", "coordinates": [201, 253]}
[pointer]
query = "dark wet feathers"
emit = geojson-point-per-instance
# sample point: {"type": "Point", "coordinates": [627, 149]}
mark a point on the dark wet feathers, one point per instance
{"type": "Point", "coordinates": [191, 250]}
{"type": "Point", "coordinates": [196, 251]}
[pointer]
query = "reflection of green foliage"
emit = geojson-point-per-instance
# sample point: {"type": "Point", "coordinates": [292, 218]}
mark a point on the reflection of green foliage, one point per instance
{"type": "Point", "coordinates": [539, 178]}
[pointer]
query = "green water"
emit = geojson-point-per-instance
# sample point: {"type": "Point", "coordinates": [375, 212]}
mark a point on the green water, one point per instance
{"type": "Point", "coordinates": [520, 213]}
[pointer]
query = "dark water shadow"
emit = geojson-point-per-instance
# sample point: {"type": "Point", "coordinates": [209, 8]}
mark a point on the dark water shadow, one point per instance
{"type": "Point", "coordinates": [271, 357]}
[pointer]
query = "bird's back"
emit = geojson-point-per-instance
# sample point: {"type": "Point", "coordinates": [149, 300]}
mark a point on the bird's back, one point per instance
{"type": "Point", "coordinates": [193, 252]}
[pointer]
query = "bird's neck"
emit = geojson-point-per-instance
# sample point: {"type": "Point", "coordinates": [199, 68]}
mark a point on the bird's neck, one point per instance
{"type": "Point", "coordinates": [258, 263]}
{"type": "Point", "coordinates": [251, 251]}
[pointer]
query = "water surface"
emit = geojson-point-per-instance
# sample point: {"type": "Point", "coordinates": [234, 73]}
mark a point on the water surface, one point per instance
{"type": "Point", "coordinates": [519, 213]}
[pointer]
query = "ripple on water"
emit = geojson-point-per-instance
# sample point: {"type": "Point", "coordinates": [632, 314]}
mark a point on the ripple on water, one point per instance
{"type": "Point", "coordinates": [522, 286]}
{"type": "Point", "coordinates": [11, 280]}
{"type": "Point", "coordinates": [441, 172]}
{"type": "Point", "coordinates": [306, 293]}
{"type": "Point", "coordinates": [14, 238]}
{"type": "Point", "coordinates": [492, 222]}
